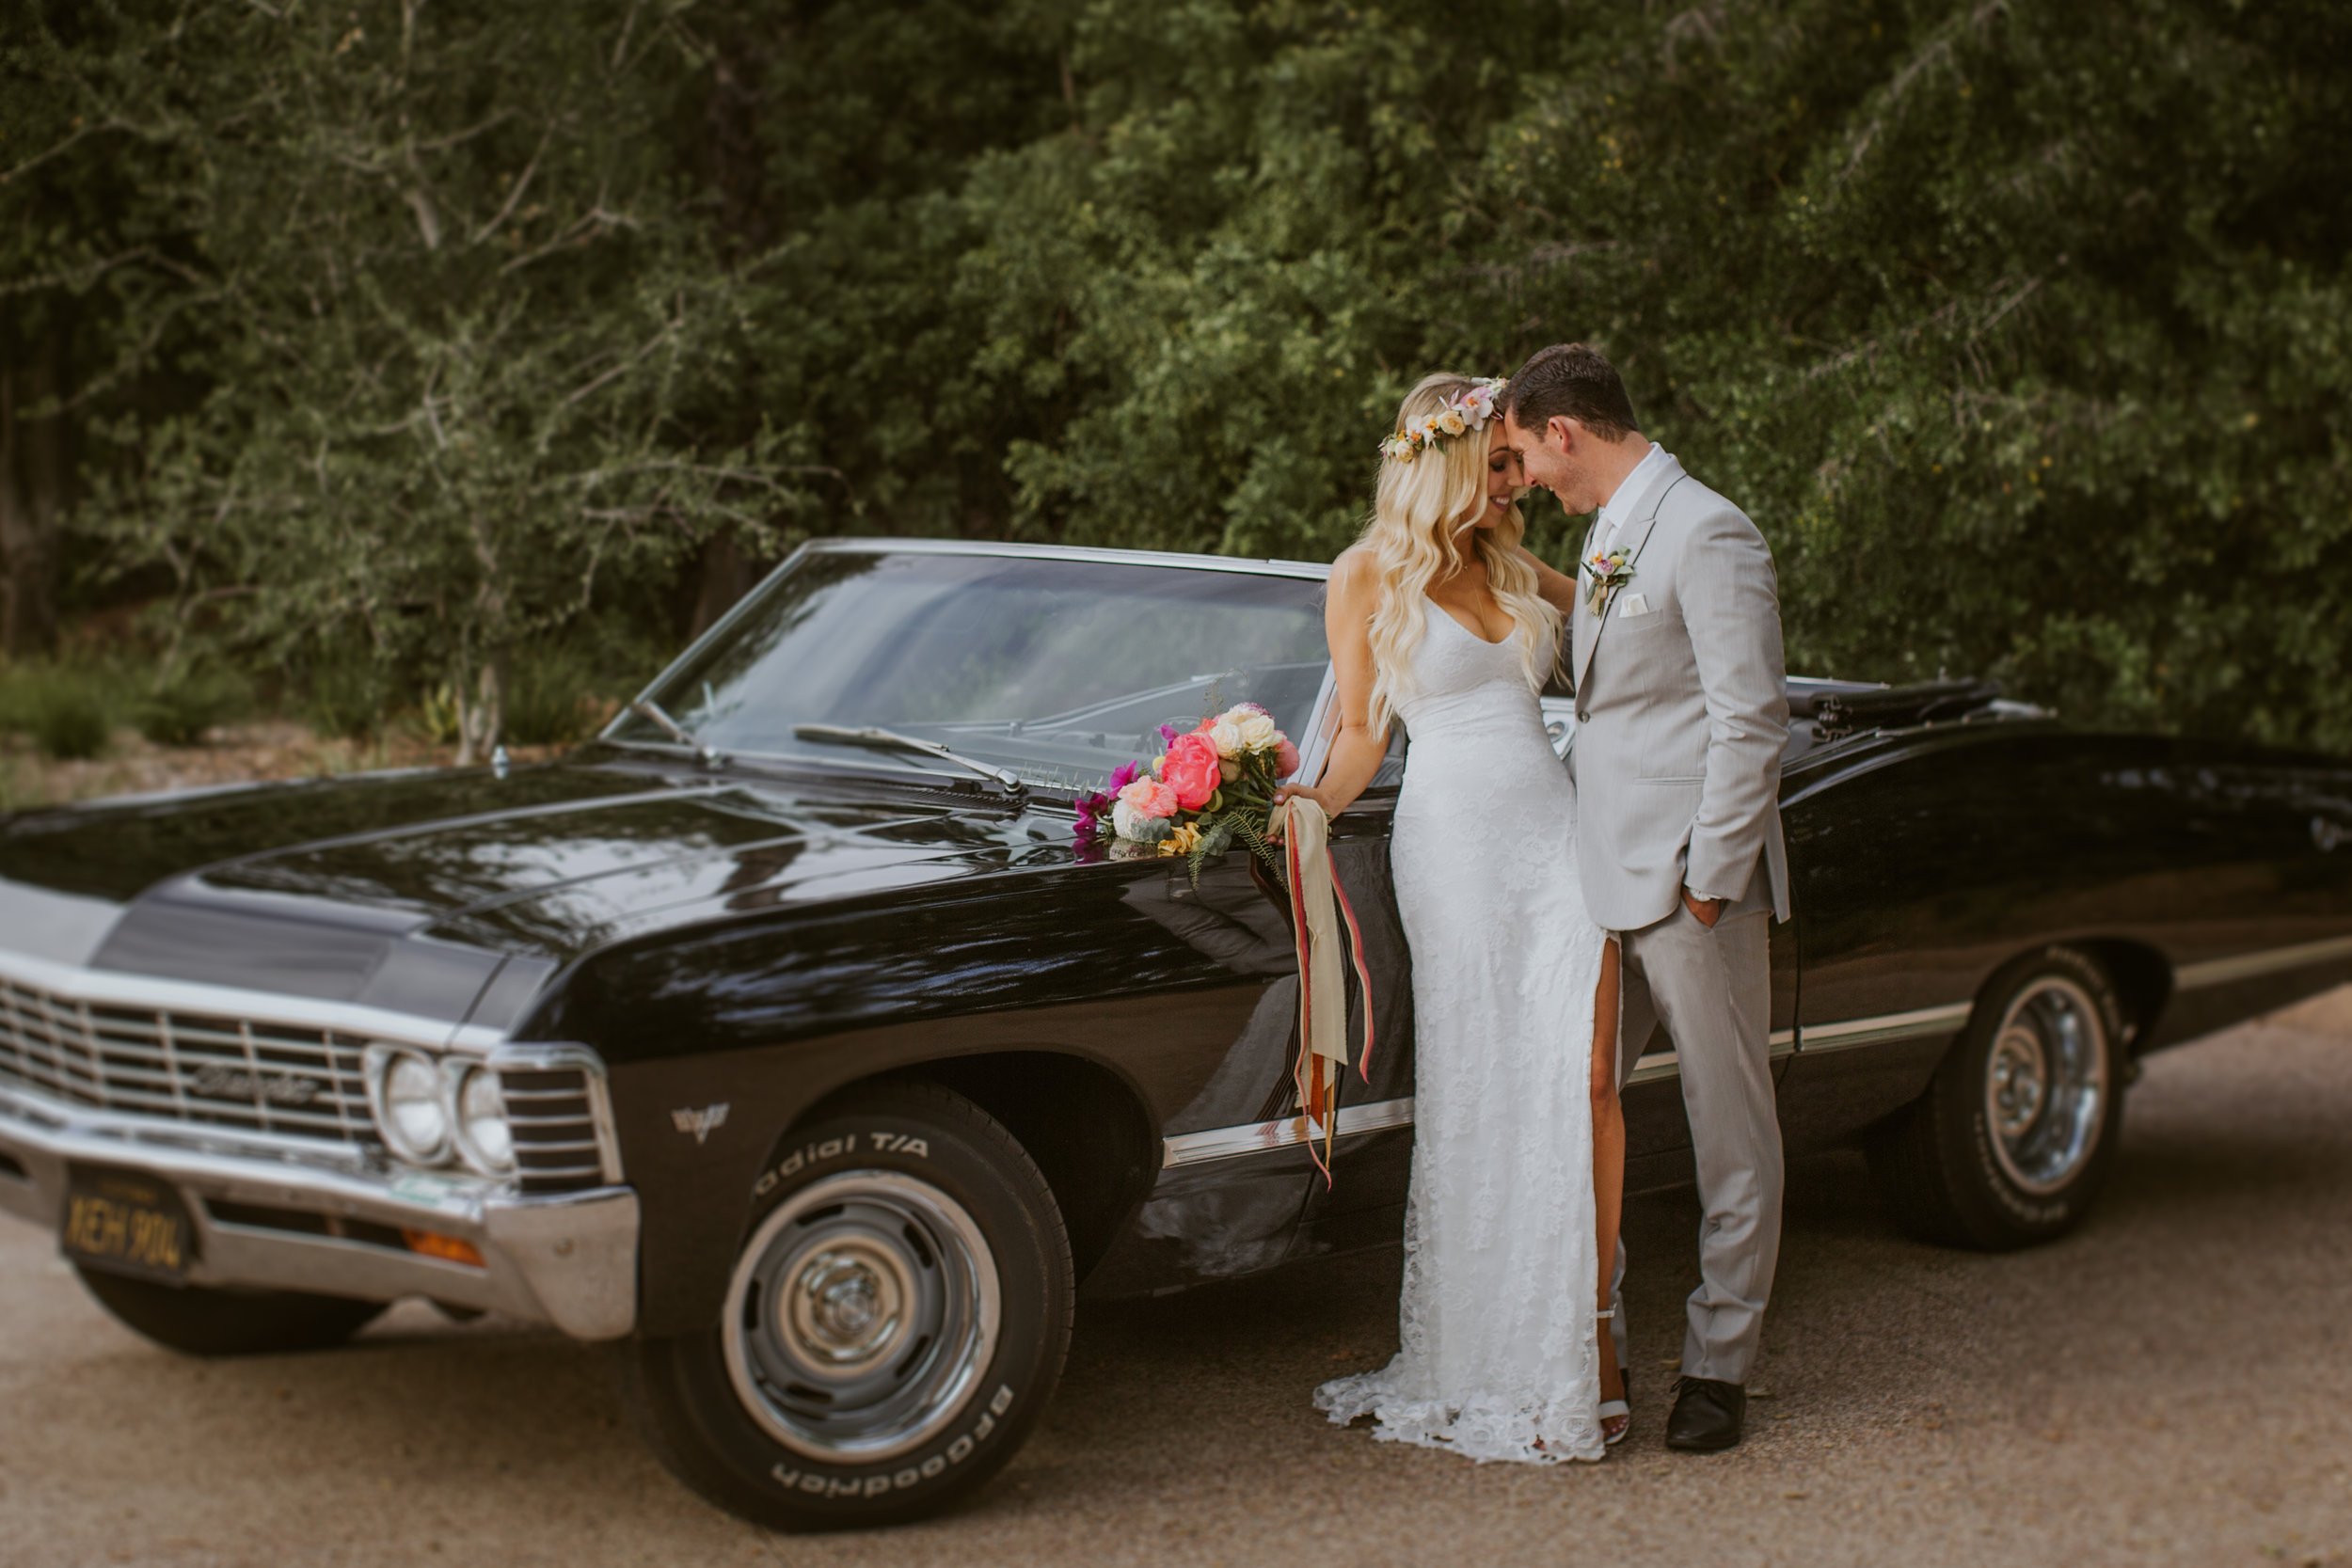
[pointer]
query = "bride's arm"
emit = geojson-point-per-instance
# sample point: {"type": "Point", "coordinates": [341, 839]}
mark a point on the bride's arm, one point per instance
{"type": "Point", "coordinates": [1557, 588]}
{"type": "Point", "coordinates": [1354, 589]}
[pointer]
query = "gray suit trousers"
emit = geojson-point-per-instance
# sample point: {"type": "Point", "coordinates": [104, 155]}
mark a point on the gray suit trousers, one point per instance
{"type": "Point", "coordinates": [1711, 986]}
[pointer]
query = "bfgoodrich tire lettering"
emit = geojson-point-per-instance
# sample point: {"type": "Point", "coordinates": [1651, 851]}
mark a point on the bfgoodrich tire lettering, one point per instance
{"type": "Point", "coordinates": [897, 1322]}
{"type": "Point", "coordinates": [2017, 1130]}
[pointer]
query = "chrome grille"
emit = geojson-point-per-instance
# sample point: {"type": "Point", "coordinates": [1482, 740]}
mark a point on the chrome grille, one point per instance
{"type": "Point", "coordinates": [289, 1080]}
{"type": "Point", "coordinates": [554, 1115]}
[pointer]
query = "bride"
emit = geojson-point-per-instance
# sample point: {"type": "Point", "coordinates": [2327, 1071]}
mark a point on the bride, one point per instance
{"type": "Point", "coordinates": [1438, 617]}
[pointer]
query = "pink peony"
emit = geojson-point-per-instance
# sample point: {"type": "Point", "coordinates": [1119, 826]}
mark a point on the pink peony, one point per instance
{"type": "Point", "coordinates": [1150, 798]}
{"type": "Point", "coordinates": [1191, 769]}
{"type": "Point", "coordinates": [1285, 758]}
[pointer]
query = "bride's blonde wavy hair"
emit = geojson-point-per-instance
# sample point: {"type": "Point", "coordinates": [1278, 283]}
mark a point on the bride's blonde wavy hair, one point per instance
{"type": "Point", "coordinates": [1417, 515]}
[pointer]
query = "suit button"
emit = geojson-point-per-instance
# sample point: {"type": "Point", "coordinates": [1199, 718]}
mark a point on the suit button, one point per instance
{"type": "Point", "coordinates": [1582, 715]}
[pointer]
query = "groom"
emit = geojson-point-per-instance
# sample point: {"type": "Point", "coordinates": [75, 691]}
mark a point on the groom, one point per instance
{"type": "Point", "coordinates": [1681, 713]}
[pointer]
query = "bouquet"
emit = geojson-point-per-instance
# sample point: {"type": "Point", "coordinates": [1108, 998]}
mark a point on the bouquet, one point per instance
{"type": "Point", "coordinates": [1210, 786]}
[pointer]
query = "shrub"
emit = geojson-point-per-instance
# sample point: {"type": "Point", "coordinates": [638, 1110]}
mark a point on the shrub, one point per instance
{"type": "Point", "coordinates": [550, 695]}
{"type": "Point", "coordinates": [348, 696]}
{"type": "Point", "coordinates": [191, 700]}
{"type": "Point", "coordinates": [437, 714]}
{"type": "Point", "coordinates": [69, 715]}
{"type": "Point", "coordinates": [68, 711]}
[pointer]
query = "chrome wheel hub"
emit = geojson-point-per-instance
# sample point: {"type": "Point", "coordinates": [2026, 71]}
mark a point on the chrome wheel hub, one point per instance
{"type": "Point", "coordinates": [2046, 1084]}
{"type": "Point", "coordinates": [846, 1305]}
{"type": "Point", "coordinates": [861, 1317]}
{"type": "Point", "coordinates": [2020, 1080]}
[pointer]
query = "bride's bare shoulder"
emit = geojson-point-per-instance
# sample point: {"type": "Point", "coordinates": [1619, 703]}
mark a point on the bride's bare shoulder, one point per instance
{"type": "Point", "coordinates": [1357, 571]}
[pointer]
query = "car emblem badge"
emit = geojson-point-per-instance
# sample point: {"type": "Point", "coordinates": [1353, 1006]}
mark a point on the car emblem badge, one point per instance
{"type": "Point", "coordinates": [214, 1082]}
{"type": "Point", "coordinates": [701, 1123]}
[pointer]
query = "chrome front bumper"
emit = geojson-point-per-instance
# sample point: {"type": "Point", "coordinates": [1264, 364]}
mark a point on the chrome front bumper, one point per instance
{"type": "Point", "coordinates": [318, 1219]}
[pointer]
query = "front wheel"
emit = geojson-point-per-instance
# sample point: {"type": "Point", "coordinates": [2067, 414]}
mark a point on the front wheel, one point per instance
{"type": "Point", "coordinates": [896, 1322]}
{"type": "Point", "coordinates": [2017, 1130]}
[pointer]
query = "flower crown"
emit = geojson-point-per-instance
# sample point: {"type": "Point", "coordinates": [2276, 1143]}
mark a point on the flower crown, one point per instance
{"type": "Point", "coordinates": [1463, 413]}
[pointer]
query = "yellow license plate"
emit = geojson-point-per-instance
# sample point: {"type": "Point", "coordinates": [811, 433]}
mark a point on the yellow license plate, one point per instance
{"type": "Point", "coordinates": [127, 1222]}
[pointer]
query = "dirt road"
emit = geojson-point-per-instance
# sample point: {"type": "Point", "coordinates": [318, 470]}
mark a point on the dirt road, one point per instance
{"type": "Point", "coordinates": [2173, 1385]}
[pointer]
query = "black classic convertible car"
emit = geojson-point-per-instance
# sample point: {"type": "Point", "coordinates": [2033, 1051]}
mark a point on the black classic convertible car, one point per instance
{"type": "Point", "coordinates": [784, 1035]}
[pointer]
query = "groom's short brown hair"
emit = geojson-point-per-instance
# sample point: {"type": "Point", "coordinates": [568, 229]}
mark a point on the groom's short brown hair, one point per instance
{"type": "Point", "coordinates": [1570, 381]}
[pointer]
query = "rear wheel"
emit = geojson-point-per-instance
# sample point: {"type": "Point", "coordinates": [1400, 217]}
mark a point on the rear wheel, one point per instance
{"type": "Point", "coordinates": [897, 1320]}
{"type": "Point", "coordinates": [2017, 1130]}
{"type": "Point", "coordinates": [198, 1320]}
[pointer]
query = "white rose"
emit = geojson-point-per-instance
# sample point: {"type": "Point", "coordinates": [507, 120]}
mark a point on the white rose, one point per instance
{"type": "Point", "coordinates": [1226, 735]}
{"type": "Point", "coordinates": [1257, 729]}
{"type": "Point", "coordinates": [1123, 819]}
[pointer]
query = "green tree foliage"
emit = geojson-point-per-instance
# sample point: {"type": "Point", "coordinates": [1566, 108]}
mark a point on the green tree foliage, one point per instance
{"type": "Point", "coordinates": [457, 318]}
{"type": "Point", "coordinates": [2018, 327]}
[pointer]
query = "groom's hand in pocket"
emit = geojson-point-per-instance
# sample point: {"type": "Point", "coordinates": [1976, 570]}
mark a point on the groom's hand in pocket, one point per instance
{"type": "Point", "coordinates": [1705, 911]}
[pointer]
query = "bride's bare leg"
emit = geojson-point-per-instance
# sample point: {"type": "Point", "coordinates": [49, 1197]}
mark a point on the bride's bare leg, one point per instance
{"type": "Point", "coordinates": [1608, 1165]}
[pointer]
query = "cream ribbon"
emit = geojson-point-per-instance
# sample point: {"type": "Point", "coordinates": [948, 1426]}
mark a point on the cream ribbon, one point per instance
{"type": "Point", "coordinates": [1318, 905]}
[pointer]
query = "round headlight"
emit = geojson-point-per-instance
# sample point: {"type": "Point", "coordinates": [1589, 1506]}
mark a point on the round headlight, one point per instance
{"type": "Point", "coordinates": [484, 1140]}
{"type": "Point", "coordinates": [405, 1087]}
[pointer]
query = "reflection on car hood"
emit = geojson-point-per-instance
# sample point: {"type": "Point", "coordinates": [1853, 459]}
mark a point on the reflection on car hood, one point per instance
{"type": "Point", "coordinates": [311, 887]}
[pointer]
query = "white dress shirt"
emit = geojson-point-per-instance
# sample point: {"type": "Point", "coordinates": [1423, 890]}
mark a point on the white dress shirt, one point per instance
{"type": "Point", "coordinates": [1621, 500]}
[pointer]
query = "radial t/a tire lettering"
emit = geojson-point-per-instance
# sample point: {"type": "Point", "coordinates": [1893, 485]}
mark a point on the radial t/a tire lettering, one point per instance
{"type": "Point", "coordinates": [896, 1322]}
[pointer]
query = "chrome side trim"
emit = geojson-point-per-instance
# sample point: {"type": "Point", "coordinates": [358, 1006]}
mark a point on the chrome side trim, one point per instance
{"type": "Point", "coordinates": [1666, 1064]}
{"type": "Point", "coordinates": [106, 989]}
{"type": "Point", "coordinates": [1820, 1040]}
{"type": "Point", "coordinates": [1885, 1029]}
{"type": "Point", "coordinates": [1225, 1142]}
{"type": "Point", "coordinates": [2272, 960]}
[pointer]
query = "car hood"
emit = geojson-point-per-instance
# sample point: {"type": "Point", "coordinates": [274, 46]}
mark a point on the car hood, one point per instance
{"type": "Point", "coordinates": [414, 891]}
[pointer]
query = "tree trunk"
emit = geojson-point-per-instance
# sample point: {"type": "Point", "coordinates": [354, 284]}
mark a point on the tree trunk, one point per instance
{"type": "Point", "coordinates": [34, 472]}
{"type": "Point", "coordinates": [722, 575]}
{"type": "Point", "coordinates": [481, 713]}
{"type": "Point", "coordinates": [746, 228]}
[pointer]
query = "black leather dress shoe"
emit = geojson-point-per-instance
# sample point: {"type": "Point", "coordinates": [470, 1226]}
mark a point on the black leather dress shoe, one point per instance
{"type": "Point", "coordinates": [1706, 1416]}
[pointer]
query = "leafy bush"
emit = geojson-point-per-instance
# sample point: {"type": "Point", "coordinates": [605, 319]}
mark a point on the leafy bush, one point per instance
{"type": "Point", "coordinates": [435, 716]}
{"type": "Point", "coordinates": [68, 712]}
{"type": "Point", "coordinates": [190, 701]}
{"type": "Point", "coordinates": [565, 689]}
{"type": "Point", "coordinates": [551, 692]}
{"type": "Point", "coordinates": [347, 696]}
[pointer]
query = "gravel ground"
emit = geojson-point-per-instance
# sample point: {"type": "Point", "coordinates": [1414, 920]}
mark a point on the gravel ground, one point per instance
{"type": "Point", "coordinates": [2172, 1384]}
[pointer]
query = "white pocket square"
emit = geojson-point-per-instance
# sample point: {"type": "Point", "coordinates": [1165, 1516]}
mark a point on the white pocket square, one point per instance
{"type": "Point", "coordinates": [1630, 605]}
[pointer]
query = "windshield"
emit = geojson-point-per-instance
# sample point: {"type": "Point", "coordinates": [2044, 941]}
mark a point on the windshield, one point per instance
{"type": "Point", "coordinates": [1058, 669]}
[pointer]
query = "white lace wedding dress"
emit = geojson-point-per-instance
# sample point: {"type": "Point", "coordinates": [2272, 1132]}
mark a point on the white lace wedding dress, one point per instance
{"type": "Point", "coordinates": [1498, 1315]}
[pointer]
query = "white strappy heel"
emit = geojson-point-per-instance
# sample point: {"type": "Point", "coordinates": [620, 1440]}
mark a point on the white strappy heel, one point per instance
{"type": "Point", "coordinates": [1614, 1409]}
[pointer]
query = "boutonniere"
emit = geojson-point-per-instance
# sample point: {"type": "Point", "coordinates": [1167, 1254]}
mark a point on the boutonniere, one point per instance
{"type": "Point", "coordinates": [1604, 575]}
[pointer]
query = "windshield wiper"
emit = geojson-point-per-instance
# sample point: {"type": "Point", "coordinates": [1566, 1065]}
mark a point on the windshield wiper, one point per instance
{"type": "Point", "coordinates": [645, 707]}
{"type": "Point", "coordinates": [891, 741]}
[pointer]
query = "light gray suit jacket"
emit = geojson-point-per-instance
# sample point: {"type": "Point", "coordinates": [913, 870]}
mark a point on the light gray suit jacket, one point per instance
{"type": "Point", "coordinates": [1682, 709]}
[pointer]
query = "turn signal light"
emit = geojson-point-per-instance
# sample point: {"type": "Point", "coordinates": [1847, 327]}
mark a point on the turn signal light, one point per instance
{"type": "Point", "coordinates": [447, 1248]}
